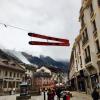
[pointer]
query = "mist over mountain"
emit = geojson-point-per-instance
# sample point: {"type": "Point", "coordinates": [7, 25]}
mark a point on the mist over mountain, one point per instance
{"type": "Point", "coordinates": [5, 55]}
{"type": "Point", "coordinates": [17, 55]}
{"type": "Point", "coordinates": [33, 60]}
{"type": "Point", "coordinates": [47, 61]}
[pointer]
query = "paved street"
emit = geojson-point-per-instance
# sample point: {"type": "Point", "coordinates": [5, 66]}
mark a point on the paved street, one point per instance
{"type": "Point", "coordinates": [76, 96]}
{"type": "Point", "coordinates": [80, 96]}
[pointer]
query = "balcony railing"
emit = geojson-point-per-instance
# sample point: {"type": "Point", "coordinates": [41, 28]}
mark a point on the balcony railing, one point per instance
{"type": "Point", "coordinates": [87, 60]}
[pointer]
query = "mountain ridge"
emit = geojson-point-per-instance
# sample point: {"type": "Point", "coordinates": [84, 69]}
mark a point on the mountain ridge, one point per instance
{"type": "Point", "coordinates": [27, 58]}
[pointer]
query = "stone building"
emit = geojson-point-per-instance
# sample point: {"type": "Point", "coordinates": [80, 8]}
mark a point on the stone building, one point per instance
{"type": "Point", "coordinates": [11, 75]}
{"type": "Point", "coordinates": [43, 79]}
{"type": "Point", "coordinates": [84, 69]}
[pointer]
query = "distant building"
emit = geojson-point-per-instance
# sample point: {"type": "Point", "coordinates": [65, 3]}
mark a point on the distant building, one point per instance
{"type": "Point", "coordinates": [11, 75]}
{"type": "Point", "coordinates": [43, 79]}
{"type": "Point", "coordinates": [29, 72]}
{"type": "Point", "coordinates": [58, 75]}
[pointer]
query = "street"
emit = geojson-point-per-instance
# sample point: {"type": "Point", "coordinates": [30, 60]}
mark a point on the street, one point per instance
{"type": "Point", "coordinates": [76, 96]}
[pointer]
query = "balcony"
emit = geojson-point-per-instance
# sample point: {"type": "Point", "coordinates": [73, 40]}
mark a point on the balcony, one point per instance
{"type": "Point", "coordinates": [87, 60]}
{"type": "Point", "coordinates": [85, 40]}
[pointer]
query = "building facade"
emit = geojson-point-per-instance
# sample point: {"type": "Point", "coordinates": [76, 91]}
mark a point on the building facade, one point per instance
{"type": "Point", "coordinates": [43, 79]}
{"type": "Point", "coordinates": [11, 75]}
{"type": "Point", "coordinates": [85, 59]}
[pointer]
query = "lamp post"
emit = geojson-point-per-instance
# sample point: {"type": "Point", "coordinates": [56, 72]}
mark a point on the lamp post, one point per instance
{"type": "Point", "coordinates": [44, 94]}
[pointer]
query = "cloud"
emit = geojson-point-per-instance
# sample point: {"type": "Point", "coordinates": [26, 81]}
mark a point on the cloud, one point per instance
{"type": "Point", "coordinates": [57, 18]}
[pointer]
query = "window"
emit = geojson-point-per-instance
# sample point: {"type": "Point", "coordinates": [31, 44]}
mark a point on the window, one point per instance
{"type": "Point", "coordinates": [88, 48]}
{"type": "Point", "coordinates": [10, 74]}
{"type": "Point", "coordinates": [91, 8]}
{"type": "Point", "coordinates": [5, 84]}
{"type": "Point", "coordinates": [21, 75]}
{"type": "Point", "coordinates": [14, 74]}
{"type": "Point", "coordinates": [79, 47]}
{"type": "Point", "coordinates": [10, 85]}
{"type": "Point", "coordinates": [97, 46]}
{"type": "Point", "coordinates": [85, 36]}
{"type": "Point", "coordinates": [87, 55]}
{"type": "Point", "coordinates": [80, 60]}
{"type": "Point", "coordinates": [6, 73]}
{"type": "Point", "coordinates": [94, 26]}
{"type": "Point", "coordinates": [76, 65]}
{"type": "Point", "coordinates": [75, 53]}
{"type": "Point", "coordinates": [0, 72]}
{"type": "Point", "coordinates": [17, 74]}
{"type": "Point", "coordinates": [82, 21]}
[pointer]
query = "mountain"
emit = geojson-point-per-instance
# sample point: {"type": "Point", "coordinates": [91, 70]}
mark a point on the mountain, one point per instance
{"type": "Point", "coordinates": [33, 60]}
{"type": "Point", "coordinates": [46, 61]}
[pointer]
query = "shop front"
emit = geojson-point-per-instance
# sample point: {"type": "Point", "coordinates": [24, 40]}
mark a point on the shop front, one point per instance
{"type": "Point", "coordinates": [81, 80]}
{"type": "Point", "coordinates": [93, 76]}
{"type": "Point", "coordinates": [73, 85]}
{"type": "Point", "coordinates": [81, 83]}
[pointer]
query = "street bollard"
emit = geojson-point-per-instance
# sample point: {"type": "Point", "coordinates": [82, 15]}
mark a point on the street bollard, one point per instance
{"type": "Point", "coordinates": [67, 97]}
{"type": "Point", "coordinates": [44, 95]}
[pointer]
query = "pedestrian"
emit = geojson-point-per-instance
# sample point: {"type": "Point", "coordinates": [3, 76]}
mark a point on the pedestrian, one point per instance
{"type": "Point", "coordinates": [95, 94]}
{"type": "Point", "coordinates": [49, 94]}
{"type": "Point", "coordinates": [58, 93]}
{"type": "Point", "coordinates": [64, 97]}
{"type": "Point", "coordinates": [53, 94]}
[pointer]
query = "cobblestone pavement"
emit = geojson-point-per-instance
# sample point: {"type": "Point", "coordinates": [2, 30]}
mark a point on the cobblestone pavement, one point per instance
{"type": "Point", "coordinates": [76, 96]}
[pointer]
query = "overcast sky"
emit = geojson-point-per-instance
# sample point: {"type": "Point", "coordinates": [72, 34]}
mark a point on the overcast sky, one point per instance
{"type": "Point", "coordinates": [58, 18]}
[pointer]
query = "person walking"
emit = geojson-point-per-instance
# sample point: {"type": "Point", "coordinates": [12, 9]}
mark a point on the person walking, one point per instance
{"type": "Point", "coordinates": [58, 93]}
{"type": "Point", "coordinates": [95, 94]}
{"type": "Point", "coordinates": [51, 94]}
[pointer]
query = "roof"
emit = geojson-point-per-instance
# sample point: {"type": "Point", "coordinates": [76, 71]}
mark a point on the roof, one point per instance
{"type": "Point", "coordinates": [28, 66]}
{"type": "Point", "coordinates": [41, 74]}
{"type": "Point", "coordinates": [4, 63]}
{"type": "Point", "coordinates": [44, 69]}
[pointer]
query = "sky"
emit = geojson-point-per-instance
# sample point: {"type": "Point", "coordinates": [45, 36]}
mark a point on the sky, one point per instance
{"type": "Point", "coordinates": [57, 18]}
